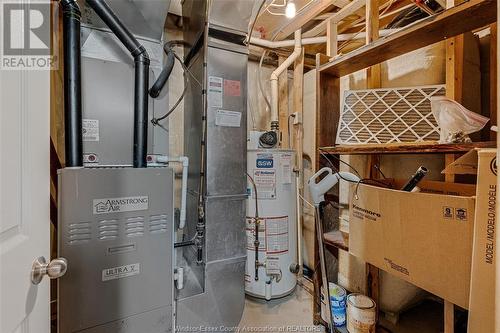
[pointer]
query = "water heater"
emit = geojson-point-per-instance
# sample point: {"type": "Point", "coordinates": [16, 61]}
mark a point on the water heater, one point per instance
{"type": "Point", "coordinates": [271, 224]}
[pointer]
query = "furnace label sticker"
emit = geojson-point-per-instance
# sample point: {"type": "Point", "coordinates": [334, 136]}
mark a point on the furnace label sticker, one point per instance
{"type": "Point", "coordinates": [121, 272]}
{"type": "Point", "coordinates": [90, 129]}
{"type": "Point", "coordinates": [265, 181]}
{"type": "Point", "coordinates": [277, 235]}
{"type": "Point", "coordinates": [215, 91]}
{"type": "Point", "coordinates": [232, 88]}
{"type": "Point", "coordinates": [118, 205]}
{"type": "Point", "coordinates": [228, 118]}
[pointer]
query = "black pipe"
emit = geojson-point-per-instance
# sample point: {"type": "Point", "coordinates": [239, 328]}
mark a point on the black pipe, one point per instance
{"type": "Point", "coordinates": [415, 179]}
{"type": "Point", "coordinates": [184, 243]}
{"type": "Point", "coordinates": [72, 84]}
{"type": "Point", "coordinates": [164, 75]}
{"type": "Point", "coordinates": [141, 60]}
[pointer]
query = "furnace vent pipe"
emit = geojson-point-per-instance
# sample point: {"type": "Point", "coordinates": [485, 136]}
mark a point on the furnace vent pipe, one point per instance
{"type": "Point", "coordinates": [274, 79]}
{"type": "Point", "coordinates": [141, 60]}
{"type": "Point", "coordinates": [72, 84]}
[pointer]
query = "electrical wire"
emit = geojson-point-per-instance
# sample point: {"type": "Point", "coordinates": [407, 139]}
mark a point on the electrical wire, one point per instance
{"type": "Point", "coordinates": [360, 181]}
{"type": "Point", "coordinates": [344, 44]}
{"type": "Point", "coordinates": [155, 120]}
{"type": "Point", "coordinates": [341, 161]}
{"type": "Point", "coordinates": [266, 99]}
{"type": "Point", "coordinates": [305, 200]}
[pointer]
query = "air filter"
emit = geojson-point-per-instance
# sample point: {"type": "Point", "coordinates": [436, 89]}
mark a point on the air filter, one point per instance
{"type": "Point", "coordinates": [388, 115]}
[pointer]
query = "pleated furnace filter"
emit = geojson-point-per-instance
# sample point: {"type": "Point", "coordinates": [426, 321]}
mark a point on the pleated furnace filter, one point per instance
{"type": "Point", "coordinates": [388, 115]}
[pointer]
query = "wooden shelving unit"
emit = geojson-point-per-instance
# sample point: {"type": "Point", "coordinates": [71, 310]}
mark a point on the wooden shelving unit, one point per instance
{"type": "Point", "coordinates": [406, 148]}
{"type": "Point", "coordinates": [447, 25]}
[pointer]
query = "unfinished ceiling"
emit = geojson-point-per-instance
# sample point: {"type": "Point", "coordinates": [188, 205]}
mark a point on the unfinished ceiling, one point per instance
{"type": "Point", "coordinates": [313, 17]}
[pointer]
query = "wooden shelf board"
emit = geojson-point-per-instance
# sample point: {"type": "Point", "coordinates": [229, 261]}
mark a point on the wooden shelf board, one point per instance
{"type": "Point", "coordinates": [335, 239]}
{"type": "Point", "coordinates": [466, 17]}
{"type": "Point", "coordinates": [406, 148]}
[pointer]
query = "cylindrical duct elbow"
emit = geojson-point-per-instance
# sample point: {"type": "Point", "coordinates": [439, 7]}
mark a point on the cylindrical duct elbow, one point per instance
{"type": "Point", "coordinates": [72, 84]}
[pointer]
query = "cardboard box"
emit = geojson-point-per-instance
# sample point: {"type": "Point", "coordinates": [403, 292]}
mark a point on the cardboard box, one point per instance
{"type": "Point", "coordinates": [482, 290]}
{"type": "Point", "coordinates": [425, 239]}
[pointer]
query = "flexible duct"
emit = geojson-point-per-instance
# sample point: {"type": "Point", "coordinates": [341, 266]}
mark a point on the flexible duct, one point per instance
{"type": "Point", "coordinates": [141, 60]}
{"type": "Point", "coordinates": [164, 75]}
{"type": "Point", "coordinates": [72, 84]}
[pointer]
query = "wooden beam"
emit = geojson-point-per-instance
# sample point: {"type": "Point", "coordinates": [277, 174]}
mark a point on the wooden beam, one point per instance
{"type": "Point", "coordinates": [303, 17]}
{"type": "Point", "coordinates": [469, 16]}
{"type": "Point", "coordinates": [372, 34]}
{"type": "Point", "coordinates": [298, 106]}
{"type": "Point", "coordinates": [406, 148]}
{"type": "Point", "coordinates": [350, 9]}
{"type": "Point", "coordinates": [384, 19]}
{"type": "Point", "coordinates": [331, 38]}
{"type": "Point", "coordinates": [283, 106]}
{"type": "Point", "coordinates": [449, 317]}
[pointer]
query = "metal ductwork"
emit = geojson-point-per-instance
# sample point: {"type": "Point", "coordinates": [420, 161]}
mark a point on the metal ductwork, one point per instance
{"type": "Point", "coordinates": [215, 131]}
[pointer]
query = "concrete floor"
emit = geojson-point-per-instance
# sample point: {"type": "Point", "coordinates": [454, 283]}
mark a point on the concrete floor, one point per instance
{"type": "Point", "coordinates": [294, 314]}
{"type": "Point", "coordinates": [288, 314]}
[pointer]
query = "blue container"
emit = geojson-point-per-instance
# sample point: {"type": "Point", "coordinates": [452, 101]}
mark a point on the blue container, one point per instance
{"type": "Point", "coordinates": [338, 297]}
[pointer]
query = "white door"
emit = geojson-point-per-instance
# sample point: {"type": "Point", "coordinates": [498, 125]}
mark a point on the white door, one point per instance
{"type": "Point", "coordinates": [24, 199]}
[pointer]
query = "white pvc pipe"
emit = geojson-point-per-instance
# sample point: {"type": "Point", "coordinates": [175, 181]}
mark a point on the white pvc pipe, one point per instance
{"type": "Point", "coordinates": [281, 68]}
{"type": "Point", "coordinates": [286, 43]}
{"type": "Point", "coordinates": [314, 40]}
{"type": "Point", "coordinates": [184, 160]}
{"type": "Point", "coordinates": [268, 289]}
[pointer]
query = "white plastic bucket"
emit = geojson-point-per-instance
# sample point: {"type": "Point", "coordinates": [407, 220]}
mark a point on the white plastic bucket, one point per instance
{"type": "Point", "coordinates": [361, 314]}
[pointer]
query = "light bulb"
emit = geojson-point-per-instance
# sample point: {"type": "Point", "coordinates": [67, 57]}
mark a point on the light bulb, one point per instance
{"type": "Point", "coordinates": [290, 10]}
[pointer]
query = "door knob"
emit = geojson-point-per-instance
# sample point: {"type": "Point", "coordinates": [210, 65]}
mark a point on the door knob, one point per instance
{"type": "Point", "coordinates": [54, 269]}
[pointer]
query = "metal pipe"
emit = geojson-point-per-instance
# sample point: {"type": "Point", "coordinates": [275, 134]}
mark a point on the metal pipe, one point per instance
{"type": "Point", "coordinates": [324, 279]}
{"type": "Point", "coordinates": [257, 222]}
{"type": "Point", "coordinates": [299, 223]}
{"type": "Point", "coordinates": [256, 244]}
{"type": "Point", "coordinates": [72, 84]}
{"type": "Point", "coordinates": [141, 60]}
{"type": "Point", "coordinates": [184, 243]}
